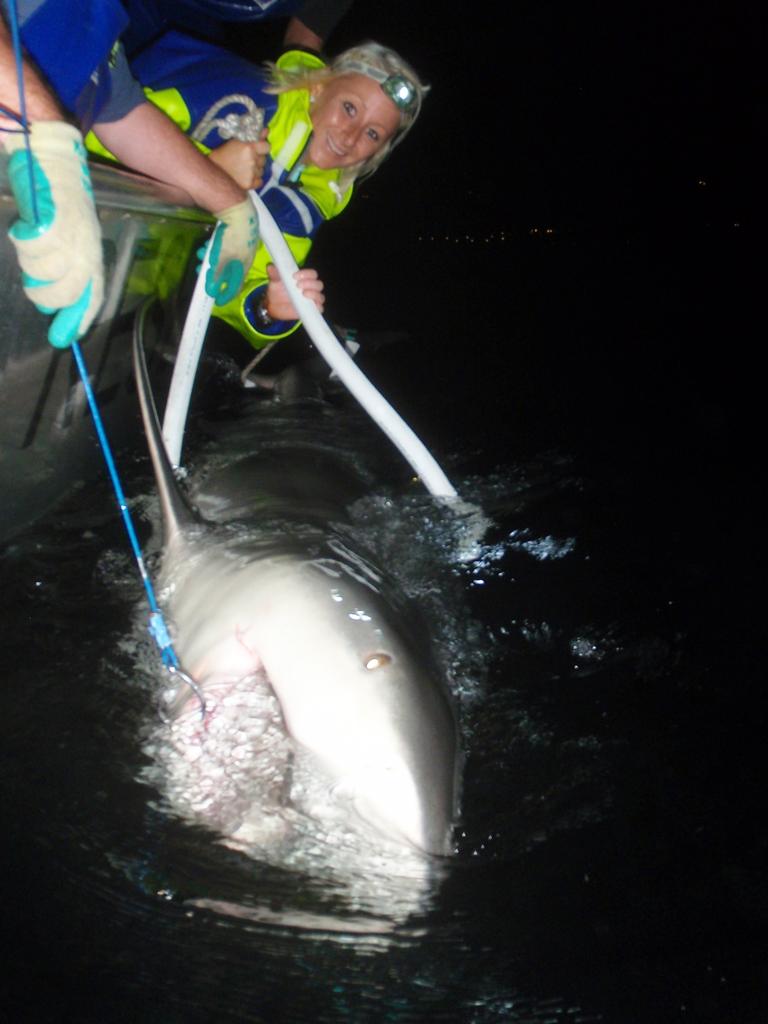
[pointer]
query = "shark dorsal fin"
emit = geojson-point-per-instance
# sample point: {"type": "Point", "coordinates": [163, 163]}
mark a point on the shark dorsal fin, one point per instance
{"type": "Point", "coordinates": [177, 514]}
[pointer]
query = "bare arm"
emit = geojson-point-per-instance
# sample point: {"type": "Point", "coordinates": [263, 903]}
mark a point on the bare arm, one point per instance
{"type": "Point", "coordinates": [40, 102]}
{"type": "Point", "coordinates": [314, 22]}
{"type": "Point", "coordinates": [146, 140]}
{"type": "Point", "coordinates": [297, 34]}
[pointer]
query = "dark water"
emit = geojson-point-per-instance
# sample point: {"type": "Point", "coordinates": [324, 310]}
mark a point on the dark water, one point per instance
{"type": "Point", "coordinates": [604, 649]}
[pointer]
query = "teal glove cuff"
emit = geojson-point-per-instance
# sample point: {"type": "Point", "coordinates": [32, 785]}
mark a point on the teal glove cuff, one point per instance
{"type": "Point", "coordinates": [232, 250]}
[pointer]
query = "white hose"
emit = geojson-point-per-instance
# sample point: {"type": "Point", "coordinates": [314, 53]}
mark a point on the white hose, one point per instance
{"type": "Point", "coordinates": [185, 368]}
{"type": "Point", "coordinates": [334, 353]}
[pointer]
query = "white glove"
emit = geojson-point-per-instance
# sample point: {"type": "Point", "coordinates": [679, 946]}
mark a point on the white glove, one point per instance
{"type": "Point", "coordinates": [58, 237]}
{"type": "Point", "coordinates": [232, 250]}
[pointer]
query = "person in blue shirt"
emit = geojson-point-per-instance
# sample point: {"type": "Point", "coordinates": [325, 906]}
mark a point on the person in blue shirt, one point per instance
{"type": "Point", "coordinates": [75, 76]}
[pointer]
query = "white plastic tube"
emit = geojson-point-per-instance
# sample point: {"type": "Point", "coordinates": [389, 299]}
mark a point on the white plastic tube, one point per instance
{"type": "Point", "coordinates": [334, 353]}
{"type": "Point", "coordinates": [185, 368]}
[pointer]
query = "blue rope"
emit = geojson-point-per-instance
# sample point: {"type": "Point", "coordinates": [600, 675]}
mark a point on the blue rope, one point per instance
{"type": "Point", "coordinates": [157, 625]}
{"type": "Point", "coordinates": [16, 38]}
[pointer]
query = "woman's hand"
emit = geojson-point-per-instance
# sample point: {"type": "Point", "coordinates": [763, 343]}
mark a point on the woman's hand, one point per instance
{"type": "Point", "coordinates": [278, 303]}
{"type": "Point", "coordinates": [243, 161]}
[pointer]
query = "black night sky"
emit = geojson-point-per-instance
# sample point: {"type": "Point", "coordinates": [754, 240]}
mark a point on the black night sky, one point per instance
{"type": "Point", "coordinates": [581, 115]}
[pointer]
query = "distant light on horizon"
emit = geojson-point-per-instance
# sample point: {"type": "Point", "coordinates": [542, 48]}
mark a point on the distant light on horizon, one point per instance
{"type": "Point", "coordinates": [491, 238]}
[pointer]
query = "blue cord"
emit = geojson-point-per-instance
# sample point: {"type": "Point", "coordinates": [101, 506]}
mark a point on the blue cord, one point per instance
{"type": "Point", "coordinates": [16, 38]}
{"type": "Point", "coordinates": [157, 625]}
{"type": "Point", "coordinates": [12, 116]}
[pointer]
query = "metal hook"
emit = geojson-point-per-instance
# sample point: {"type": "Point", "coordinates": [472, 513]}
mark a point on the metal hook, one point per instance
{"type": "Point", "coordinates": [175, 670]}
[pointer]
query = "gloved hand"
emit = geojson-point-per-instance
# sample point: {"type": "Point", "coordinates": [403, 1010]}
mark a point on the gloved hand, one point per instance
{"type": "Point", "coordinates": [232, 250]}
{"type": "Point", "coordinates": [60, 251]}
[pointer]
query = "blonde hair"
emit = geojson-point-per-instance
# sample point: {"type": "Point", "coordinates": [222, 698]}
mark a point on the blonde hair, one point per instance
{"type": "Point", "coordinates": [376, 62]}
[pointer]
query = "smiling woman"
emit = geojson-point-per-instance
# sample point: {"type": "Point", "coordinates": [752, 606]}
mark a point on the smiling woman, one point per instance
{"type": "Point", "coordinates": [301, 131]}
{"type": "Point", "coordinates": [352, 118]}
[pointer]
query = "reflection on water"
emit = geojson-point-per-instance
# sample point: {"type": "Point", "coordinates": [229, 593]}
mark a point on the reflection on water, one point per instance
{"type": "Point", "coordinates": [583, 886]}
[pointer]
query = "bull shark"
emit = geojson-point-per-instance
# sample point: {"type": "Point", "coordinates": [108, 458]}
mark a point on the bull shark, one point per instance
{"type": "Point", "coordinates": [357, 692]}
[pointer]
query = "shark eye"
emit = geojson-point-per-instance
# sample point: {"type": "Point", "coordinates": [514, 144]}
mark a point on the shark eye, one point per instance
{"type": "Point", "coordinates": [377, 660]}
